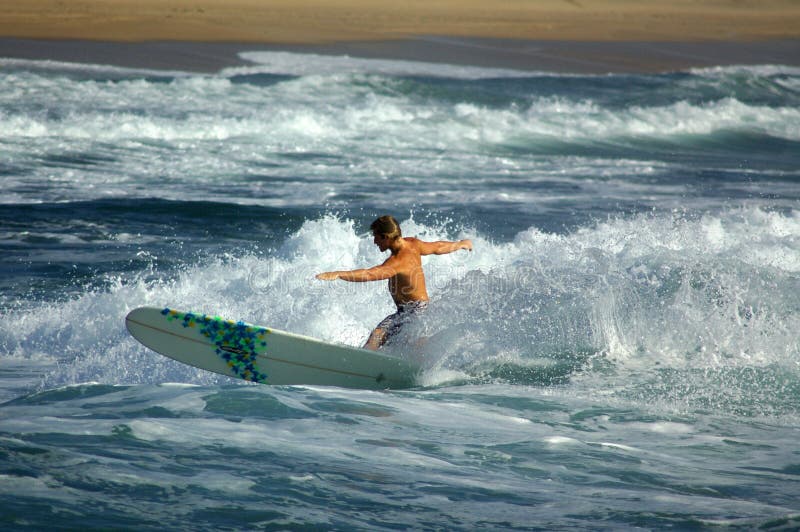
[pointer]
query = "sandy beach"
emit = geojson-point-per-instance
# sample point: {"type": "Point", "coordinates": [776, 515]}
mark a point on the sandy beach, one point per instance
{"type": "Point", "coordinates": [564, 35]}
{"type": "Point", "coordinates": [323, 21]}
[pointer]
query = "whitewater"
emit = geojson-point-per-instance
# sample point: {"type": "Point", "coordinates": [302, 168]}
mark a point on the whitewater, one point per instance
{"type": "Point", "coordinates": [618, 352]}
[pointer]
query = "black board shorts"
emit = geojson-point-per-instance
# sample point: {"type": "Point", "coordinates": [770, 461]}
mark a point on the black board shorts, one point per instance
{"type": "Point", "coordinates": [392, 324]}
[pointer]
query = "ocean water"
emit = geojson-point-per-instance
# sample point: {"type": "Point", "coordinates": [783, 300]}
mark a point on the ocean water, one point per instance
{"type": "Point", "coordinates": [619, 351]}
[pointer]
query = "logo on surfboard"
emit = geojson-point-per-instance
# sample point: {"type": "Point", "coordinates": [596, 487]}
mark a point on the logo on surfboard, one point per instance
{"type": "Point", "coordinates": [238, 343]}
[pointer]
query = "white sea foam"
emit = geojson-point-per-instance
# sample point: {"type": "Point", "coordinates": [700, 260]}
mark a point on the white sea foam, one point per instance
{"type": "Point", "coordinates": [680, 293]}
{"type": "Point", "coordinates": [301, 64]}
{"type": "Point", "coordinates": [126, 139]}
{"type": "Point", "coordinates": [683, 291]}
{"type": "Point", "coordinates": [71, 66]}
{"type": "Point", "coordinates": [343, 131]}
{"type": "Point", "coordinates": [753, 70]}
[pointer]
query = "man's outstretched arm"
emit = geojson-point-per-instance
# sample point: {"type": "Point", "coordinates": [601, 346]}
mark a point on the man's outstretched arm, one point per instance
{"type": "Point", "coordinates": [376, 273]}
{"type": "Point", "coordinates": [443, 247]}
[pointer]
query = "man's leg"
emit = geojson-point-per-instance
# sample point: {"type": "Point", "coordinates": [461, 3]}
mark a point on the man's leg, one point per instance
{"type": "Point", "coordinates": [376, 339]}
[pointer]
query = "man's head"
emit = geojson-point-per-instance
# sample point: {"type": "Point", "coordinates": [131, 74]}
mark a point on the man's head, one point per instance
{"type": "Point", "coordinates": [385, 230]}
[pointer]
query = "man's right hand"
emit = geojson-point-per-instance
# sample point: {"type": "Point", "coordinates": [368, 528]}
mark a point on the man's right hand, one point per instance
{"type": "Point", "coordinates": [328, 276]}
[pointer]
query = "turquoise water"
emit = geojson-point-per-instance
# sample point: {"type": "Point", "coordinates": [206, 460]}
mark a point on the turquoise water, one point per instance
{"type": "Point", "coordinates": [618, 352]}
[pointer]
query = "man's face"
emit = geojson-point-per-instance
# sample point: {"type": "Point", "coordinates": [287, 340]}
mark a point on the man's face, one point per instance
{"type": "Point", "coordinates": [381, 241]}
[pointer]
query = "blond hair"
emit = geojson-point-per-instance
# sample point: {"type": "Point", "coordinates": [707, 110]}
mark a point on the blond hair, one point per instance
{"type": "Point", "coordinates": [387, 227]}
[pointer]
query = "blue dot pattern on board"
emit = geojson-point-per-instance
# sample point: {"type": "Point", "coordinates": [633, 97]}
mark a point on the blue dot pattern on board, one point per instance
{"type": "Point", "coordinates": [238, 343]}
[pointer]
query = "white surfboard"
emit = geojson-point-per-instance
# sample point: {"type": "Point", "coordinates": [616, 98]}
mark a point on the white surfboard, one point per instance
{"type": "Point", "coordinates": [263, 355]}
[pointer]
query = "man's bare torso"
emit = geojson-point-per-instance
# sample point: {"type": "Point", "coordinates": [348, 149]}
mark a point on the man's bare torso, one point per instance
{"type": "Point", "coordinates": [408, 283]}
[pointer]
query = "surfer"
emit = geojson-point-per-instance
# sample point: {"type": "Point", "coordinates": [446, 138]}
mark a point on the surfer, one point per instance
{"type": "Point", "coordinates": [404, 271]}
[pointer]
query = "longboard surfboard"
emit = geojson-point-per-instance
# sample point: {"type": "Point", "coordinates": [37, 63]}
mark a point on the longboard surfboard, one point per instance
{"type": "Point", "coordinates": [260, 354]}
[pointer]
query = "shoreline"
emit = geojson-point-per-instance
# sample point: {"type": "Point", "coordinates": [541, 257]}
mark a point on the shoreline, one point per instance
{"type": "Point", "coordinates": [565, 57]}
{"type": "Point", "coordinates": [562, 36]}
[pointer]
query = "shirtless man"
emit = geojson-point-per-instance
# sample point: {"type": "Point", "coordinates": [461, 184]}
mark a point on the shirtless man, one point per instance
{"type": "Point", "coordinates": [403, 269]}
